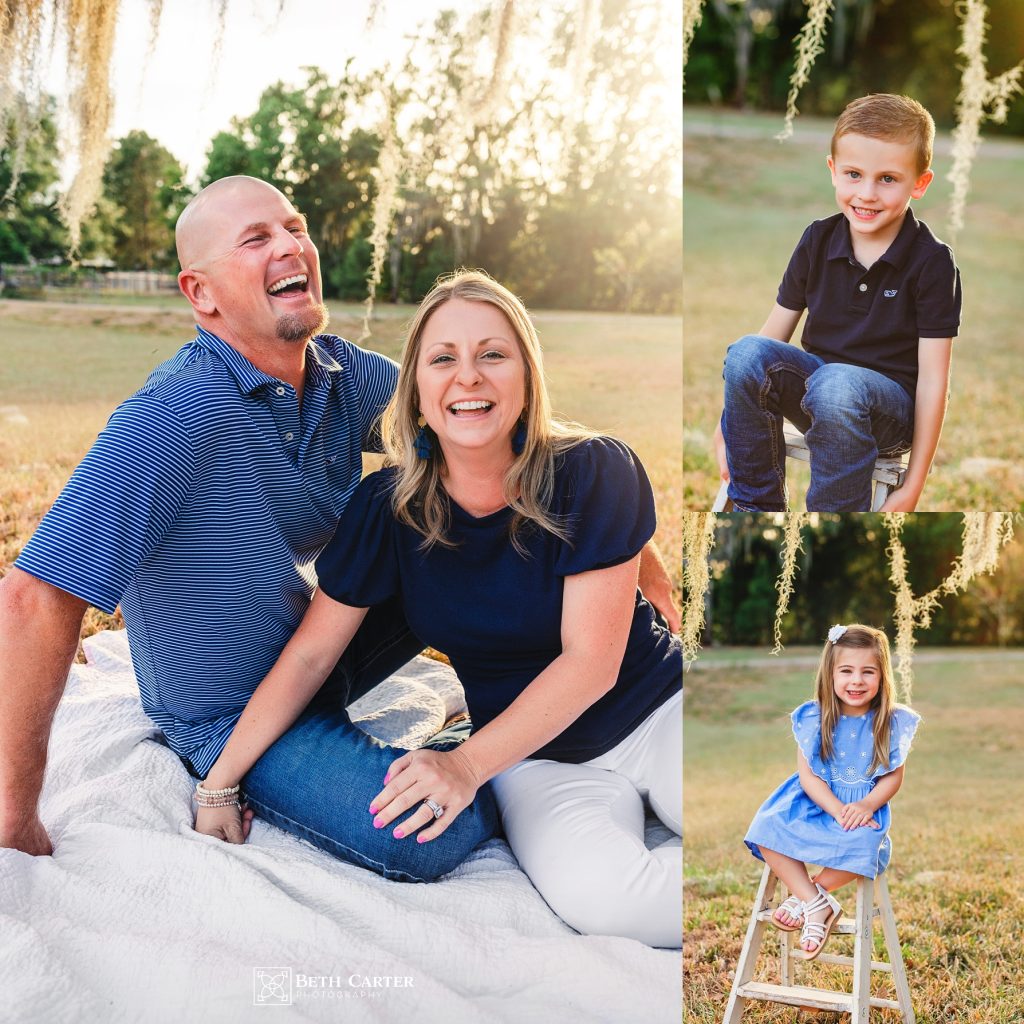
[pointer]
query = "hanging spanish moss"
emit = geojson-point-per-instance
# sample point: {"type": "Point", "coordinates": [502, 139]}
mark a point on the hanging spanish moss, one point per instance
{"type": "Point", "coordinates": [698, 537]}
{"type": "Point", "coordinates": [21, 36]}
{"type": "Point", "coordinates": [984, 535]}
{"type": "Point", "coordinates": [692, 13]}
{"type": "Point", "coordinates": [389, 167]}
{"type": "Point", "coordinates": [454, 134]}
{"type": "Point", "coordinates": [21, 100]}
{"type": "Point", "coordinates": [784, 584]}
{"type": "Point", "coordinates": [372, 13]}
{"type": "Point", "coordinates": [809, 43]}
{"type": "Point", "coordinates": [90, 26]}
{"type": "Point", "coordinates": [980, 98]}
{"type": "Point", "coordinates": [497, 86]}
{"type": "Point", "coordinates": [156, 10]}
{"type": "Point", "coordinates": [218, 35]}
{"type": "Point", "coordinates": [588, 17]}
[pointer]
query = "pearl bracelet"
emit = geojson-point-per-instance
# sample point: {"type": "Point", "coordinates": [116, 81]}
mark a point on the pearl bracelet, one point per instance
{"type": "Point", "coordinates": [232, 802]}
{"type": "Point", "coordinates": [203, 791]}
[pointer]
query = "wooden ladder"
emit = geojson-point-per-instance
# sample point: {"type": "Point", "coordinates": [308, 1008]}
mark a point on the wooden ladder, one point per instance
{"type": "Point", "coordinates": [872, 902]}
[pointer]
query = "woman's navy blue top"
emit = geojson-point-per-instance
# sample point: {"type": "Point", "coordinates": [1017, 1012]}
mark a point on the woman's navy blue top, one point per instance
{"type": "Point", "coordinates": [498, 614]}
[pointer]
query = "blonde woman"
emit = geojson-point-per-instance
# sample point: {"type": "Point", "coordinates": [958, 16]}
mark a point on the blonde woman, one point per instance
{"type": "Point", "coordinates": [513, 542]}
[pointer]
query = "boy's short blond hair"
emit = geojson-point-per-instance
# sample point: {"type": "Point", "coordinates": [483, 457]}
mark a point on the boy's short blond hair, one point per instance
{"type": "Point", "coordinates": [893, 118]}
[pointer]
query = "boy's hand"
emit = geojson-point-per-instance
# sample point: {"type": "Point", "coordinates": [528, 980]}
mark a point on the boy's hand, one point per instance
{"type": "Point", "coordinates": [718, 442]}
{"type": "Point", "coordinates": [903, 499]}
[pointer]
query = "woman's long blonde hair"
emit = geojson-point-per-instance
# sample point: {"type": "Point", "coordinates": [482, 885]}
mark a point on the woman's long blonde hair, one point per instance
{"type": "Point", "coordinates": [419, 499]}
{"type": "Point", "coordinates": [883, 703]}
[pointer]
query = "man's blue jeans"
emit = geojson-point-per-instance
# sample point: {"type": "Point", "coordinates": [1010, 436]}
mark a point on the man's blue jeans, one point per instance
{"type": "Point", "coordinates": [318, 779]}
{"type": "Point", "coordinates": [849, 416]}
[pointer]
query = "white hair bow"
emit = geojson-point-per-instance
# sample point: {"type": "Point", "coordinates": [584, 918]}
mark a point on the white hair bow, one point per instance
{"type": "Point", "coordinates": [835, 633]}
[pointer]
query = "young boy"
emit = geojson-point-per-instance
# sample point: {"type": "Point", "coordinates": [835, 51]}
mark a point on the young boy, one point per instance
{"type": "Point", "coordinates": [883, 306]}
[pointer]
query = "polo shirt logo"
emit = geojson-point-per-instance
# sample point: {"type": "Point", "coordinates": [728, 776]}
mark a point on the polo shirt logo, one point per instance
{"type": "Point", "coordinates": [890, 292]}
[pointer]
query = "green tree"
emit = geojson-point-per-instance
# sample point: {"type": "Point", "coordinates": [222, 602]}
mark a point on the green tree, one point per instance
{"type": "Point", "coordinates": [228, 155]}
{"type": "Point", "coordinates": [607, 233]}
{"type": "Point", "coordinates": [466, 193]}
{"type": "Point", "coordinates": [30, 225]}
{"type": "Point", "coordinates": [311, 143]}
{"type": "Point", "coordinates": [144, 184]}
{"type": "Point", "coordinates": [843, 576]}
{"type": "Point", "coordinates": [743, 53]}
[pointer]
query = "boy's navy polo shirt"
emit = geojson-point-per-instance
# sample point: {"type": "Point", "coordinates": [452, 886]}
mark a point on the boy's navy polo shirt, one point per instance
{"type": "Point", "coordinates": [873, 318]}
{"type": "Point", "coordinates": [497, 613]}
{"type": "Point", "coordinates": [201, 509]}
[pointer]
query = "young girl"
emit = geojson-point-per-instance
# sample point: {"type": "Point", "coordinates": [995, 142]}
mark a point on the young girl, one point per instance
{"type": "Point", "coordinates": [852, 740]}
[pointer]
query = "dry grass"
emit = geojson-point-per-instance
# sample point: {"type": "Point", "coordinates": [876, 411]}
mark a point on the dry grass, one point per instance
{"type": "Point", "coordinates": [747, 200]}
{"type": "Point", "coordinates": [66, 366]}
{"type": "Point", "coordinates": [958, 838]}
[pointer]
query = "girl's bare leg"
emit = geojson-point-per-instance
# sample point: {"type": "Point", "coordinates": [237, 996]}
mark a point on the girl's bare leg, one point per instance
{"type": "Point", "coordinates": [793, 874]}
{"type": "Point", "coordinates": [831, 879]}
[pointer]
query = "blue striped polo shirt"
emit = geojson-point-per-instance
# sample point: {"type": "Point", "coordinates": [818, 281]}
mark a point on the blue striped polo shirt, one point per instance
{"type": "Point", "coordinates": [201, 509]}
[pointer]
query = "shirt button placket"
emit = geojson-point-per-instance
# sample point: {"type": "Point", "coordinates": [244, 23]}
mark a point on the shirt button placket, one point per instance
{"type": "Point", "coordinates": [283, 414]}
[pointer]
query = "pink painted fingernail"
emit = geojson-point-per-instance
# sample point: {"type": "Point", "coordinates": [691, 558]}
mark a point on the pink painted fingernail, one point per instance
{"type": "Point", "coordinates": [421, 839]}
{"type": "Point", "coordinates": [398, 833]}
{"type": "Point", "coordinates": [373, 809]}
{"type": "Point", "coordinates": [387, 779]}
{"type": "Point", "coordinates": [377, 823]}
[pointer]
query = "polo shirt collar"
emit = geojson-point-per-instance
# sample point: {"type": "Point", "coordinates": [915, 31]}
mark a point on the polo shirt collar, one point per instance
{"type": "Point", "coordinates": [840, 246]}
{"type": "Point", "coordinates": [896, 254]}
{"type": "Point", "coordinates": [320, 365]}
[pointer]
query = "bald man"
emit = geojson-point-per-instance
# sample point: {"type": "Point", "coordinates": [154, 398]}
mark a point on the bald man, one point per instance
{"type": "Point", "coordinates": [201, 509]}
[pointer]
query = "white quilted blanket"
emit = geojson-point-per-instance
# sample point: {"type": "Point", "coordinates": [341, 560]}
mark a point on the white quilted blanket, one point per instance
{"type": "Point", "coordinates": [138, 918]}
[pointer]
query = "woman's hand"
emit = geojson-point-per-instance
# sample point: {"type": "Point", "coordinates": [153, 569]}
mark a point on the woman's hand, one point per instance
{"type": "Point", "coordinates": [446, 777]}
{"type": "Point", "coordinates": [855, 815]}
{"type": "Point", "coordinates": [226, 823]}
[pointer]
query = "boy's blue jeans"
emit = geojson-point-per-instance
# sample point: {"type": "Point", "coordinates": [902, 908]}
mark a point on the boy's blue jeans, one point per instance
{"type": "Point", "coordinates": [849, 416]}
{"type": "Point", "coordinates": [318, 779]}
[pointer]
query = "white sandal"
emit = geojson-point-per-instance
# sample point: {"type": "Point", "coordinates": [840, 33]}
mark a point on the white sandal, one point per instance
{"type": "Point", "coordinates": [792, 905]}
{"type": "Point", "coordinates": [819, 931]}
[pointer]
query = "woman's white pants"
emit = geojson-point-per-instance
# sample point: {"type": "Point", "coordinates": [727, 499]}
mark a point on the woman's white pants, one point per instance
{"type": "Point", "coordinates": [577, 830]}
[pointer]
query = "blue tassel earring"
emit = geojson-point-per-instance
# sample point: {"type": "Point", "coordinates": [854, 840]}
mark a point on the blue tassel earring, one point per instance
{"type": "Point", "coordinates": [519, 438]}
{"type": "Point", "coordinates": [422, 444]}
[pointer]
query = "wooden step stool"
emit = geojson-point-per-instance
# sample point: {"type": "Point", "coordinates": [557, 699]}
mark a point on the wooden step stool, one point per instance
{"type": "Point", "coordinates": [857, 1003]}
{"type": "Point", "coordinates": [888, 475]}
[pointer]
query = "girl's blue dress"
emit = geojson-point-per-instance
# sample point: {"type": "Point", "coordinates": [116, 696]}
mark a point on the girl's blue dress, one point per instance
{"type": "Point", "coordinates": [790, 822]}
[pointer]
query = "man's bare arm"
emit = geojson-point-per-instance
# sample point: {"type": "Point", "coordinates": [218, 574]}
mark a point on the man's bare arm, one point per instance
{"type": "Point", "coordinates": [39, 630]}
{"type": "Point", "coordinates": [657, 587]}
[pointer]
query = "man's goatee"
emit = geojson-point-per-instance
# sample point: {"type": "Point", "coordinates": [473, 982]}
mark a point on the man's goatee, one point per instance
{"type": "Point", "coordinates": [303, 326]}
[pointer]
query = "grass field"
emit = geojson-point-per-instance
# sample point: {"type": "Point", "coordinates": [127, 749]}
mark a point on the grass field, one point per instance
{"type": "Point", "coordinates": [65, 367]}
{"type": "Point", "coordinates": [958, 837]}
{"type": "Point", "coordinates": [747, 199]}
